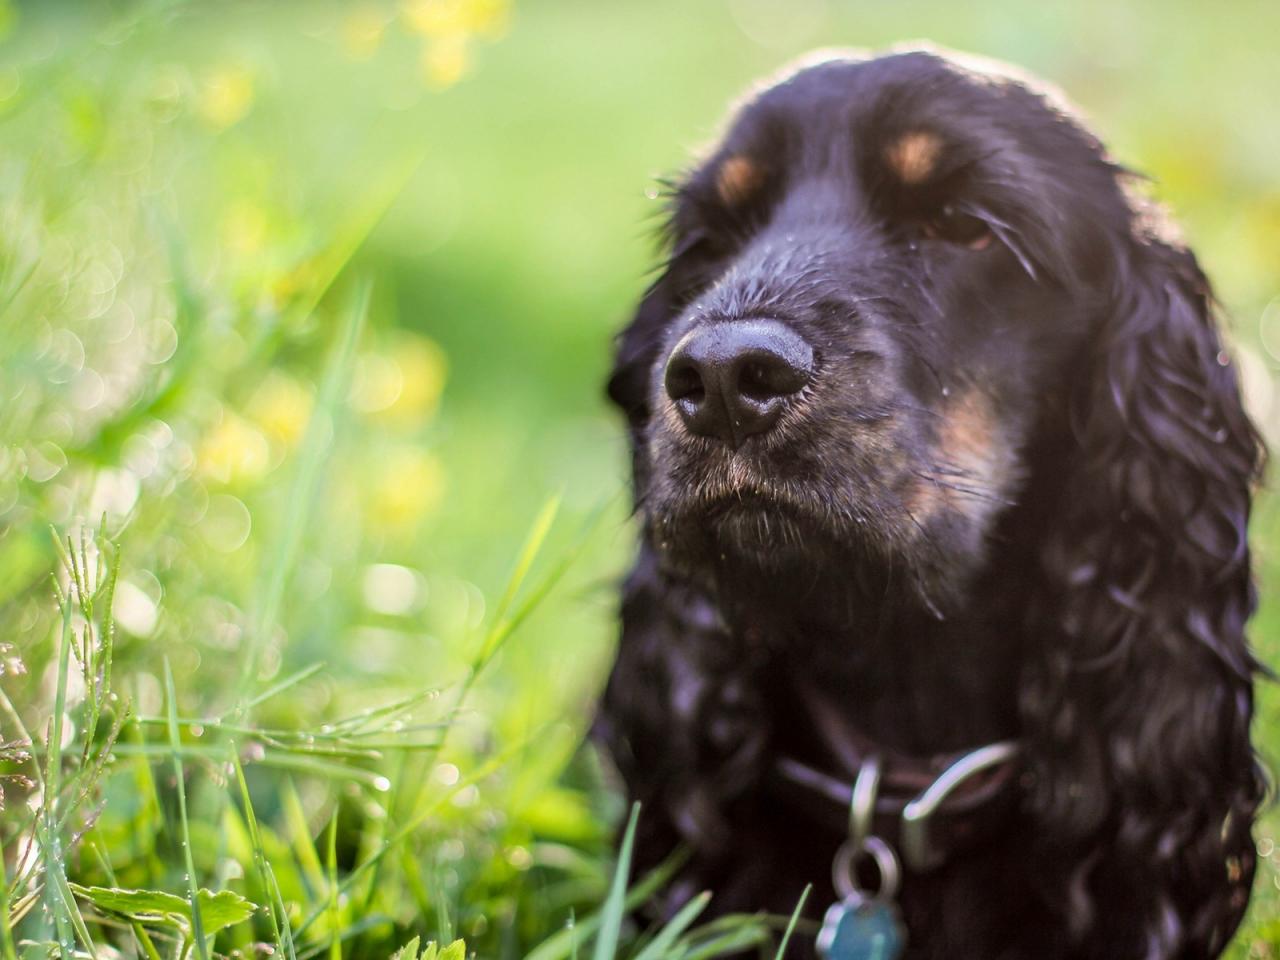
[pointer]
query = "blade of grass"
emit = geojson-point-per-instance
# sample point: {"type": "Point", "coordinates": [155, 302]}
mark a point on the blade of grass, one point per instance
{"type": "Point", "coordinates": [659, 945]}
{"type": "Point", "coordinates": [352, 235]}
{"type": "Point", "coordinates": [276, 902]}
{"type": "Point", "coordinates": [304, 848]}
{"type": "Point", "coordinates": [303, 675]}
{"type": "Point", "coordinates": [27, 862]}
{"type": "Point", "coordinates": [349, 932]}
{"type": "Point", "coordinates": [6, 921]}
{"type": "Point", "coordinates": [96, 765]}
{"type": "Point", "coordinates": [335, 919]}
{"type": "Point", "coordinates": [73, 911]}
{"type": "Point", "coordinates": [791, 924]}
{"type": "Point", "coordinates": [106, 636]}
{"type": "Point", "coordinates": [423, 814]}
{"type": "Point", "coordinates": [278, 761]}
{"type": "Point", "coordinates": [732, 942]}
{"type": "Point", "coordinates": [503, 625]}
{"type": "Point", "coordinates": [316, 443]}
{"type": "Point", "coordinates": [50, 838]}
{"type": "Point", "coordinates": [197, 922]}
{"type": "Point", "coordinates": [563, 942]}
{"type": "Point", "coordinates": [528, 553]}
{"type": "Point", "coordinates": [615, 905]}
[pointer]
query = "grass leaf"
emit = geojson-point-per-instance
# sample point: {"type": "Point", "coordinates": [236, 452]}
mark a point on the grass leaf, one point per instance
{"type": "Point", "coordinates": [193, 893]}
{"type": "Point", "coordinates": [791, 924]}
{"type": "Point", "coordinates": [658, 947]}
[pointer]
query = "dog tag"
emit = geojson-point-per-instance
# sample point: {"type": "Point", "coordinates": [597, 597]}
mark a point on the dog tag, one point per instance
{"type": "Point", "coordinates": [861, 928]}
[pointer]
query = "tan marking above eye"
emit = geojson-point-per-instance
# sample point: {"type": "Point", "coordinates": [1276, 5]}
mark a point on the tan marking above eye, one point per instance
{"type": "Point", "coordinates": [914, 156]}
{"type": "Point", "coordinates": [737, 179]}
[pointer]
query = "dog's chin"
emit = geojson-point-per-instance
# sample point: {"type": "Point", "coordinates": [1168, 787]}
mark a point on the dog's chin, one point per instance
{"type": "Point", "coordinates": [756, 543]}
{"type": "Point", "coordinates": [753, 533]}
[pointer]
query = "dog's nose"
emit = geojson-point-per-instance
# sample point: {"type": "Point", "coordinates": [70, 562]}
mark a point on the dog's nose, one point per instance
{"type": "Point", "coordinates": [732, 379]}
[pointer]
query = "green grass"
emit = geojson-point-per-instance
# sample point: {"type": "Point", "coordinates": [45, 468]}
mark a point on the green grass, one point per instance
{"type": "Point", "coordinates": [300, 354]}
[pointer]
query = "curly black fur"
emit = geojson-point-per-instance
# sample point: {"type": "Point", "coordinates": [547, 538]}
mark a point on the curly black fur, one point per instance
{"type": "Point", "coordinates": [1012, 504]}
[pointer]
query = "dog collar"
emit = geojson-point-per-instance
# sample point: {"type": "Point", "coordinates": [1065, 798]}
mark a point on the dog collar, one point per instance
{"type": "Point", "coordinates": [927, 808]}
{"type": "Point", "coordinates": [865, 921]}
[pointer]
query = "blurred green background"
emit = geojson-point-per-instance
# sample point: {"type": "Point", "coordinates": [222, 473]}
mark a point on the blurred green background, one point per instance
{"type": "Point", "coordinates": [196, 198]}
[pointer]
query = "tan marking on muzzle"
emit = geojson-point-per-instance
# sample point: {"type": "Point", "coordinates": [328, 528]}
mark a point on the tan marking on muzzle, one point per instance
{"type": "Point", "coordinates": [737, 179]}
{"type": "Point", "coordinates": [914, 156]}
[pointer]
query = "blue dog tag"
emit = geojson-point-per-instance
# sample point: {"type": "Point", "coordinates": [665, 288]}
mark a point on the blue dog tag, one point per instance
{"type": "Point", "coordinates": [861, 928]}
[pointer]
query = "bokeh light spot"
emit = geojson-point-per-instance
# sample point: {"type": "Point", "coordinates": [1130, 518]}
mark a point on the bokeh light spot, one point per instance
{"type": "Point", "coordinates": [134, 610]}
{"type": "Point", "coordinates": [392, 589]}
{"type": "Point", "coordinates": [234, 451]}
{"type": "Point", "coordinates": [226, 523]}
{"type": "Point", "coordinates": [227, 95]}
{"type": "Point", "coordinates": [281, 407]}
{"type": "Point", "coordinates": [409, 484]}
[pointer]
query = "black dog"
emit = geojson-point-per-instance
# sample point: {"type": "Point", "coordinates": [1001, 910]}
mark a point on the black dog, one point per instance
{"type": "Point", "coordinates": [937, 450]}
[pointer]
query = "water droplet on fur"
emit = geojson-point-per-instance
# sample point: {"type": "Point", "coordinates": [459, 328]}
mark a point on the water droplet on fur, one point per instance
{"type": "Point", "coordinates": [1220, 435]}
{"type": "Point", "coordinates": [1223, 359]}
{"type": "Point", "coordinates": [946, 391]}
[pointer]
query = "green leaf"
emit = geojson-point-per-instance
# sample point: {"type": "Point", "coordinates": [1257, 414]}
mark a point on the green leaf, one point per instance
{"type": "Point", "coordinates": [660, 945]}
{"type": "Point", "coordinates": [615, 905]}
{"type": "Point", "coordinates": [791, 924]}
{"type": "Point", "coordinates": [564, 942]}
{"type": "Point", "coordinates": [432, 951]}
{"type": "Point", "coordinates": [218, 910]}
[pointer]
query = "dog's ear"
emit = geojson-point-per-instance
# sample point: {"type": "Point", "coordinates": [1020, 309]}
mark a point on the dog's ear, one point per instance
{"type": "Point", "coordinates": [635, 350]}
{"type": "Point", "coordinates": [1138, 710]}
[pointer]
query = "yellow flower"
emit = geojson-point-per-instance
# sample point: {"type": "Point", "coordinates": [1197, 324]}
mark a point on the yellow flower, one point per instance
{"type": "Point", "coordinates": [281, 406]}
{"type": "Point", "coordinates": [490, 18]}
{"type": "Point", "coordinates": [437, 18]}
{"type": "Point", "coordinates": [409, 484]}
{"type": "Point", "coordinates": [445, 60]}
{"type": "Point", "coordinates": [362, 31]}
{"type": "Point", "coordinates": [296, 282]}
{"type": "Point", "coordinates": [227, 95]}
{"type": "Point", "coordinates": [423, 369]}
{"type": "Point", "coordinates": [233, 451]}
{"type": "Point", "coordinates": [402, 382]}
{"type": "Point", "coordinates": [244, 228]}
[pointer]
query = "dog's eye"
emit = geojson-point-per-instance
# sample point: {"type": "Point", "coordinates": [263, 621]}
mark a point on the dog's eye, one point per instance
{"type": "Point", "coordinates": [956, 226]}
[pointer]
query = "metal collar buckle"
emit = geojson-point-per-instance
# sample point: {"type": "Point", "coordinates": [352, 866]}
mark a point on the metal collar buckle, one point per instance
{"type": "Point", "coordinates": [917, 850]}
